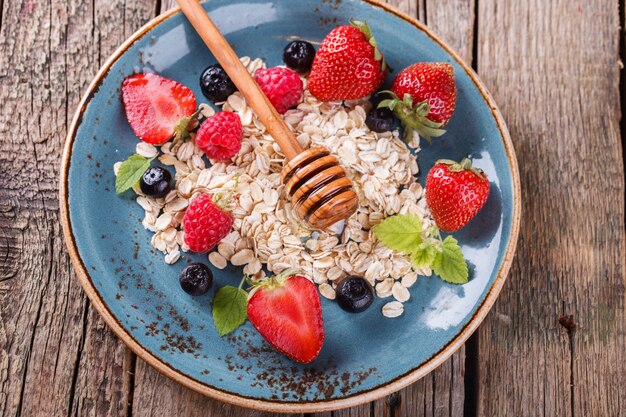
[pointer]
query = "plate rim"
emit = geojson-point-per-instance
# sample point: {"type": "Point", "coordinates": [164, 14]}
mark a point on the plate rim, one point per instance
{"type": "Point", "coordinates": [268, 405]}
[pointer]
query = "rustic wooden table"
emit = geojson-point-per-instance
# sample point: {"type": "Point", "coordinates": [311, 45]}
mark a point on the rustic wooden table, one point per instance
{"type": "Point", "coordinates": [555, 342]}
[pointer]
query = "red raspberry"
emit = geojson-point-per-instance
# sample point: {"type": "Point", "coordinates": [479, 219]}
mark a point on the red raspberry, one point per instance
{"type": "Point", "coordinates": [220, 136]}
{"type": "Point", "coordinates": [205, 223]}
{"type": "Point", "coordinates": [282, 86]}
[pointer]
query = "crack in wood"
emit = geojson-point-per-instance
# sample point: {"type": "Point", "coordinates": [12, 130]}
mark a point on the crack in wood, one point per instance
{"type": "Point", "coordinates": [130, 365]}
{"type": "Point", "coordinates": [433, 395]}
{"type": "Point", "coordinates": [1, 13]}
{"type": "Point", "coordinates": [471, 379]}
{"type": "Point", "coordinates": [393, 402]}
{"type": "Point", "coordinates": [10, 253]}
{"type": "Point", "coordinates": [157, 8]}
{"type": "Point", "coordinates": [79, 353]}
{"type": "Point", "coordinates": [451, 392]}
{"type": "Point", "coordinates": [32, 341]}
{"type": "Point", "coordinates": [622, 91]}
{"type": "Point", "coordinates": [474, 55]}
{"type": "Point", "coordinates": [568, 322]}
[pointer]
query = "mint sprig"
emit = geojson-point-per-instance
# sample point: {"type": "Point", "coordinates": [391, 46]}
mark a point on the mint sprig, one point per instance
{"type": "Point", "coordinates": [229, 309]}
{"type": "Point", "coordinates": [424, 255]}
{"type": "Point", "coordinates": [400, 233]}
{"type": "Point", "coordinates": [404, 233]}
{"type": "Point", "coordinates": [130, 172]}
{"type": "Point", "coordinates": [450, 263]}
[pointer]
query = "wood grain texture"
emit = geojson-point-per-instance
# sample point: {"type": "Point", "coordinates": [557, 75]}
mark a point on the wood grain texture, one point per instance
{"type": "Point", "coordinates": [561, 354]}
{"type": "Point", "coordinates": [454, 21]}
{"type": "Point", "coordinates": [559, 93]}
{"type": "Point", "coordinates": [51, 343]}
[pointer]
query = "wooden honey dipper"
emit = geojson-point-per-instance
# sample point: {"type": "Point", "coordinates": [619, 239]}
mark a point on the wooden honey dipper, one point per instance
{"type": "Point", "coordinates": [319, 189]}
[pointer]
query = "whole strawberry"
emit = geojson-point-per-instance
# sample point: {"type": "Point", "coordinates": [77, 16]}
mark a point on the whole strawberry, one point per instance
{"type": "Point", "coordinates": [423, 97]}
{"type": "Point", "coordinates": [455, 193]}
{"type": "Point", "coordinates": [157, 108]}
{"type": "Point", "coordinates": [286, 310]}
{"type": "Point", "coordinates": [220, 136]}
{"type": "Point", "coordinates": [206, 222]}
{"type": "Point", "coordinates": [348, 64]}
{"type": "Point", "coordinates": [282, 86]}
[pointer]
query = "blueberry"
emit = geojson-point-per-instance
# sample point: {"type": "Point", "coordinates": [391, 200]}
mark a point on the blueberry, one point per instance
{"type": "Point", "coordinates": [216, 85]}
{"type": "Point", "coordinates": [380, 120]}
{"type": "Point", "coordinates": [354, 294]}
{"type": "Point", "coordinates": [298, 55]}
{"type": "Point", "coordinates": [196, 279]}
{"type": "Point", "coordinates": [156, 182]}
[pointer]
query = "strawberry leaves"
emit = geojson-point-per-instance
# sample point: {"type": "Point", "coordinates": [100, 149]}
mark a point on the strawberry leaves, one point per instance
{"type": "Point", "coordinates": [229, 309]}
{"type": "Point", "coordinates": [404, 233]}
{"type": "Point", "coordinates": [131, 172]}
{"type": "Point", "coordinates": [414, 117]}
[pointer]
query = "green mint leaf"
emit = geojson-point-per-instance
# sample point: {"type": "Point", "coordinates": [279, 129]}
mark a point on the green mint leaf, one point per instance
{"type": "Point", "coordinates": [449, 262]}
{"type": "Point", "coordinates": [423, 256]}
{"type": "Point", "coordinates": [130, 172]}
{"type": "Point", "coordinates": [402, 233]}
{"type": "Point", "coordinates": [229, 309]}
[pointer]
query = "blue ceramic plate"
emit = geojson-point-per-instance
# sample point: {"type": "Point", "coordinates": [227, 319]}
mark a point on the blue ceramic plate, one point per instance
{"type": "Point", "coordinates": [139, 296]}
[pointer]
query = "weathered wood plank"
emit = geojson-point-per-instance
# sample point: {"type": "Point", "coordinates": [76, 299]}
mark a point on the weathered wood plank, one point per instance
{"type": "Point", "coordinates": [41, 297]}
{"type": "Point", "coordinates": [559, 93]}
{"type": "Point", "coordinates": [454, 21]}
{"type": "Point", "coordinates": [167, 4]}
{"type": "Point", "coordinates": [157, 395]}
{"type": "Point", "coordinates": [105, 387]}
{"type": "Point", "coordinates": [50, 341]}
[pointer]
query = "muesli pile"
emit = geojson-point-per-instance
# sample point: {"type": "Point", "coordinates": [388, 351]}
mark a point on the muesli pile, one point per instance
{"type": "Point", "coordinates": [226, 196]}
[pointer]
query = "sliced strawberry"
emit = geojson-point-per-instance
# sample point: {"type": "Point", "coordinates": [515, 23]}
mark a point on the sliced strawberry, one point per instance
{"type": "Point", "coordinates": [286, 310]}
{"type": "Point", "coordinates": [157, 108]}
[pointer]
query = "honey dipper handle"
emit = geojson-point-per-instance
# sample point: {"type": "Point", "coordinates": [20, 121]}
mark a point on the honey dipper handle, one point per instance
{"type": "Point", "coordinates": [229, 60]}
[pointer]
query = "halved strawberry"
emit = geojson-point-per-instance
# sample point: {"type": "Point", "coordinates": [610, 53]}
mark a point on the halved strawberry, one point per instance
{"type": "Point", "coordinates": [286, 310]}
{"type": "Point", "coordinates": [157, 108]}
